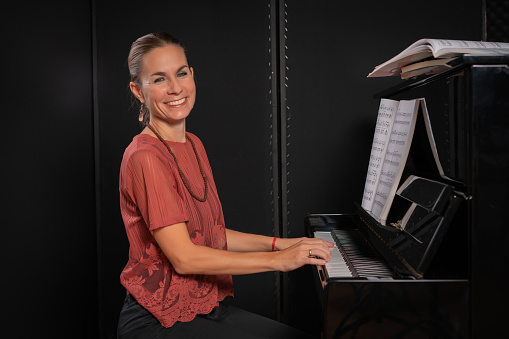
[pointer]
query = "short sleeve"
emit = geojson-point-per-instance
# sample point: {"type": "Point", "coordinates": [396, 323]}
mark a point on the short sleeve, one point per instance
{"type": "Point", "coordinates": [152, 187]}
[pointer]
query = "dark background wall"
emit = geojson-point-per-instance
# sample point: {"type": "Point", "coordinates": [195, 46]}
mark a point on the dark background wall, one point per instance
{"type": "Point", "coordinates": [332, 46]}
{"type": "Point", "coordinates": [49, 251]}
{"type": "Point", "coordinates": [284, 109]}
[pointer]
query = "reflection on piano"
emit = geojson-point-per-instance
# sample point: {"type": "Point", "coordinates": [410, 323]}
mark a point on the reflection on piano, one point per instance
{"type": "Point", "coordinates": [440, 276]}
{"type": "Point", "coordinates": [363, 295]}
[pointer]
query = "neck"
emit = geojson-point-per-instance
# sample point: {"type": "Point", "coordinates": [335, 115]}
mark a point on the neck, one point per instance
{"type": "Point", "coordinates": [176, 133]}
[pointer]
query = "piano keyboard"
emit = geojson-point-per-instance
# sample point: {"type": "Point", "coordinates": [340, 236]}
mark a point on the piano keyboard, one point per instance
{"type": "Point", "coordinates": [352, 256]}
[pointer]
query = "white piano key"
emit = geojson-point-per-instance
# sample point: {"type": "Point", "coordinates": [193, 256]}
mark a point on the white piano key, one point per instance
{"type": "Point", "coordinates": [336, 267]}
{"type": "Point", "coordinates": [361, 260]}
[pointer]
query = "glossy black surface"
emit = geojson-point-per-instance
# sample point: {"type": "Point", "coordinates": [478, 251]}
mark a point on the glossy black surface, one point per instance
{"type": "Point", "coordinates": [465, 276]}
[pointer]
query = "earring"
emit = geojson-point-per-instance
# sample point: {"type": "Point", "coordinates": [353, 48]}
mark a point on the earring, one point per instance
{"type": "Point", "coordinates": [140, 116]}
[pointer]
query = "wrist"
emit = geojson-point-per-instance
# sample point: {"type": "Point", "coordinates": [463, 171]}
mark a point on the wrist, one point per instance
{"type": "Point", "coordinates": [280, 244]}
{"type": "Point", "coordinates": [284, 243]}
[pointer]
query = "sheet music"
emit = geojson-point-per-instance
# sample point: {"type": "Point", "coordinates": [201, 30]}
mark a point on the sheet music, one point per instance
{"type": "Point", "coordinates": [397, 152]}
{"type": "Point", "coordinates": [385, 119]}
{"type": "Point", "coordinates": [431, 138]}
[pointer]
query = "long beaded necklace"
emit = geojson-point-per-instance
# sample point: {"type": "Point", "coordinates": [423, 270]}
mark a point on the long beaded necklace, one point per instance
{"type": "Point", "coordinates": [182, 176]}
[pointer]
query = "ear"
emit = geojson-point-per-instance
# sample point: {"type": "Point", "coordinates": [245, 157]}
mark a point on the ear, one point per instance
{"type": "Point", "coordinates": [137, 91]}
{"type": "Point", "coordinates": [192, 71]}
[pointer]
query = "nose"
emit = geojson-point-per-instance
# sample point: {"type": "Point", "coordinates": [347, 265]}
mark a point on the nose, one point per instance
{"type": "Point", "coordinates": [174, 87]}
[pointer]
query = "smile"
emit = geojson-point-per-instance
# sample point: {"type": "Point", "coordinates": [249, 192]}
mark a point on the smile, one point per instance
{"type": "Point", "coordinates": [176, 102]}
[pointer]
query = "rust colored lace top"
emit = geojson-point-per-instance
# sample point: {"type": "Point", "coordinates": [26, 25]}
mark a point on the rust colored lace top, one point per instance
{"type": "Point", "coordinates": [152, 195]}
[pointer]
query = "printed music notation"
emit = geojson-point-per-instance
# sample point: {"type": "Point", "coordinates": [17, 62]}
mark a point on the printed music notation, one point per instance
{"type": "Point", "coordinates": [383, 127]}
{"type": "Point", "coordinates": [391, 142]}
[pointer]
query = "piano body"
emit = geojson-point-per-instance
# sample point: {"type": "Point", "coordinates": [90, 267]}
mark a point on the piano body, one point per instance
{"type": "Point", "coordinates": [445, 275]}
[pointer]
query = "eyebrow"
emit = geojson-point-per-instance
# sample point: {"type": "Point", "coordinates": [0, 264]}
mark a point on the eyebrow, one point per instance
{"type": "Point", "coordinates": [164, 73]}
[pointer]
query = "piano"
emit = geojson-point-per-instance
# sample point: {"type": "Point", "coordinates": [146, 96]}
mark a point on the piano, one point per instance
{"type": "Point", "coordinates": [445, 274]}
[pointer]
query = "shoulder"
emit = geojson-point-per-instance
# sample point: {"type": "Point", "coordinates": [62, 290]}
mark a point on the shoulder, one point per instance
{"type": "Point", "coordinates": [194, 138]}
{"type": "Point", "coordinates": [196, 141]}
{"type": "Point", "coordinates": [143, 148]}
{"type": "Point", "coordinates": [143, 143]}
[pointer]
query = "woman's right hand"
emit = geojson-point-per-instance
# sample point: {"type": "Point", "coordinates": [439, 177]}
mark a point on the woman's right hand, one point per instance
{"type": "Point", "coordinates": [308, 251]}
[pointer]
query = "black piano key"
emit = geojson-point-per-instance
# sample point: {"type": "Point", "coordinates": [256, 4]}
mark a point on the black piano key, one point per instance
{"type": "Point", "coordinates": [360, 257]}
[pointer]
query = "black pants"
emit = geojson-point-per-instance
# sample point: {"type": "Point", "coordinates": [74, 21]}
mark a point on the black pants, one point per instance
{"type": "Point", "coordinates": [225, 321]}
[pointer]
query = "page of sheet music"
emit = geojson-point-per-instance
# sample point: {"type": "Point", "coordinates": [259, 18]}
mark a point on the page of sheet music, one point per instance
{"type": "Point", "coordinates": [431, 139]}
{"type": "Point", "coordinates": [386, 115]}
{"type": "Point", "coordinates": [397, 151]}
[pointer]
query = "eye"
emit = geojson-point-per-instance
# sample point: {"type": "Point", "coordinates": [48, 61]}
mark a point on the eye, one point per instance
{"type": "Point", "coordinates": [159, 80]}
{"type": "Point", "coordinates": [182, 74]}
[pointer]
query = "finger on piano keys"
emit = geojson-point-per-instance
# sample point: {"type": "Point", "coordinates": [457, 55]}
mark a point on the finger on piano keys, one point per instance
{"type": "Point", "coordinates": [352, 256]}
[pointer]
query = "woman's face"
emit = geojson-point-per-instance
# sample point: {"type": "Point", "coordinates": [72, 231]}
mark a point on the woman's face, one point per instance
{"type": "Point", "coordinates": [167, 84]}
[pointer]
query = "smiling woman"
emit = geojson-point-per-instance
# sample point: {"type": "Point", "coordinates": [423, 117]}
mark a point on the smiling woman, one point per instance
{"type": "Point", "coordinates": [181, 255]}
{"type": "Point", "coordinates": [164, 85]}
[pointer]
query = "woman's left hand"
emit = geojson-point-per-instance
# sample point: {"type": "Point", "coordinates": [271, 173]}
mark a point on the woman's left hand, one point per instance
{"type": "Point", "coordinates": [284, 243]}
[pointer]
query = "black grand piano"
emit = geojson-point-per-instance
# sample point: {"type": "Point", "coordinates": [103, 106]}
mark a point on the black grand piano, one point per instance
{"type": "Point", "coordinates": [445, 275]}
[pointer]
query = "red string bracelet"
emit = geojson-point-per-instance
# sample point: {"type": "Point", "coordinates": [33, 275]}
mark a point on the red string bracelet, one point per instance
{"type": "Point", "coordinates": [273, 243]}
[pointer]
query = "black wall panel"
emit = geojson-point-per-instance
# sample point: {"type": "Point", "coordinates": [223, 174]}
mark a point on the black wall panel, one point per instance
{"type": "Point", "coordinates": [49, 276]}
{"type": "Point", "coordinates": [497, 20]}
{"type": "Point", "coordinates": [331, 46]}
{"type": "Point", "coordinates": [228, 48]}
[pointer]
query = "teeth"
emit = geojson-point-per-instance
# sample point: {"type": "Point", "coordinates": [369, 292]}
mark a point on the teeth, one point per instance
{"type": "Point", "coordinates": [177, 102]}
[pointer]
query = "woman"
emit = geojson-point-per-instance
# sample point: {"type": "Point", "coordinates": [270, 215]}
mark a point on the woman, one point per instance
{"type": "Point", "coordinates": [181, 256]}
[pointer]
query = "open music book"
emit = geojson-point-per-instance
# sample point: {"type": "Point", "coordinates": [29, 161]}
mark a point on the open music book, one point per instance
{"type": "Point", "coordinates": [426, 67]}
{"type": "Point", "coordinates": [425, 49]}
{"type": "Point", "coordinates": [389, 152]}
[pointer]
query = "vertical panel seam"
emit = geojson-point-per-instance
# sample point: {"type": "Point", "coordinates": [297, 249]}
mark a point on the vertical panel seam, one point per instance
{"type": "Point", "coordinates": [285, 121]}
{"type": "Point", "coordinates": [274, 136]}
